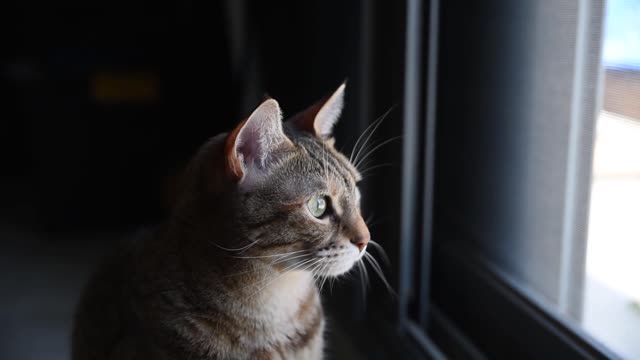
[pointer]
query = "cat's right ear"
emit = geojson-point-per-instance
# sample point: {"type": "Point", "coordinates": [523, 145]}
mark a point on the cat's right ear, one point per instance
{"type": "Point", "coordinates": [255, 143]}
{"type": "Point", "coordinates": [320, 118]}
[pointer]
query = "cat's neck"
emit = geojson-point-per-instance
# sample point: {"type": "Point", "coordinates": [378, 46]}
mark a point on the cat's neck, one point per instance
{"type": "Point", "coordinates": [256, 286]}
{"type": "Point", "coordinates": [284, 288]}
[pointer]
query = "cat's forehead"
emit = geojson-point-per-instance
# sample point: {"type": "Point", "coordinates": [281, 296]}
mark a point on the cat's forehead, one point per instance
{"type": "Point", "coordinates": [324, 153]}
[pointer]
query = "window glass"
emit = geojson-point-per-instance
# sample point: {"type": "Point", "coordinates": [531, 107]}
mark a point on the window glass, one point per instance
{"type": "Point", "coordinates": [611, 310]}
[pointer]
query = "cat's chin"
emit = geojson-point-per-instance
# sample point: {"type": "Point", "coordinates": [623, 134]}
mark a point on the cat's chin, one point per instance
{"type": "Point", "coordinates": [339, 269]}
{"type": "Point", "coordinates": [339, 260]}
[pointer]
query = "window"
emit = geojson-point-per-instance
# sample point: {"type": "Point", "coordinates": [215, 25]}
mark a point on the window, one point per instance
{"type": "Point", "coordinates": [502, 109]}
{"type": "Point", "coordinates": [612, 266]}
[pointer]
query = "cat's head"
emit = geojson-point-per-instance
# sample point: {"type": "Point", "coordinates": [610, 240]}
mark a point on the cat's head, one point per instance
{"type": "Point", "coordinates": [298, 203]}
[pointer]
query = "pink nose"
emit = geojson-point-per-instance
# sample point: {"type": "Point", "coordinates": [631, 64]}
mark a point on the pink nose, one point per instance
{"type": "Point", "coordinates": [361, 242]}
{"type": "Point", "coordinates": [359, 233]}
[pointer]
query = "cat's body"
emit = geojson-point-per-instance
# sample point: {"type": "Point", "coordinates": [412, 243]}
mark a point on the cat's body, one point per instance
{"type": "Point", "coordinates": [231, 274]}
{"type": "Point", "coordinates": [150, 304]}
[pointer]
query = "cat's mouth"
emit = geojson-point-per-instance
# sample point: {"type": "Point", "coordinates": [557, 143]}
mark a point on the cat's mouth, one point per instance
{"type": "Point", "coordinates": [337, 259]}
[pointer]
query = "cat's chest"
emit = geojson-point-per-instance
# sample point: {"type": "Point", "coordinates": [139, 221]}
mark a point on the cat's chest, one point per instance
{"type": "Point", "coordinates": [291, 313]}
{"type": "Point", "coordinates": [286, 321]}
{"type": "Point", "coordinates": [304, 341]}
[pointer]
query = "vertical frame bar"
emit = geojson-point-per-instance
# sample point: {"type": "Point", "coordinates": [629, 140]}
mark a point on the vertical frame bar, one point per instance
{"type": "Point", "coordinates": [419, 127]}
{"type": "Point", "coordinates": [410, 158]}
{"type": "Point", "coordinates": [365, 85]}
{"type": "Point", "coordinates": [585, 107]}
{"type": "Point", "coordinates": [429, 159]}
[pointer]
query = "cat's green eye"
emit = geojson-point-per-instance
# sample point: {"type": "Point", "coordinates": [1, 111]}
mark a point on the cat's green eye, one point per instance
{"type": "Point", "coordinates": [317, 205]}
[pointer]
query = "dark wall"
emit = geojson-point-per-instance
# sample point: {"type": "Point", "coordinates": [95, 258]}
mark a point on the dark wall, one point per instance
{"type": "Point", "coordinates": [107, 100]}
{"type": "Point", "coordinates": [84, 159]}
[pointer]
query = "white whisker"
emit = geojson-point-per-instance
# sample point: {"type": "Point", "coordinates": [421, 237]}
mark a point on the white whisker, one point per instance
{"type": "Point", "coordinates": [364, 279]}
{"type": "Point", "coordinates": [358, 162]}
{"type": "Point", "coordinates": [324, 275]}
{"type": "Point", "coordinates": [375, 125]}
{"type": "Point", "coordinates": [238, 249]}
{"type": "Point", "coordinates": [268, 256]}
{"type": "Point", "coordinates": [276, 261]}
{"type": "Point", "coordinates": [315, 269]}
{"type": "Point", "coordinates": [371, 168]}
{"type": "Point", "coordinates": [383, 253]}
{"type": "Point", "coordinates": [376, 267]}
{"type": "Point", "coordinates": [364, 133]}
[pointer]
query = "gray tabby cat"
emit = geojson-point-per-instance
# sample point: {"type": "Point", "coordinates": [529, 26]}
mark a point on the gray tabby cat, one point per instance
{"type": "Point", "coordinates": [264, 210]}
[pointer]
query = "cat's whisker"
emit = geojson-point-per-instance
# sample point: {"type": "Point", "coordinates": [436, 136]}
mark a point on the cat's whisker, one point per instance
{"type": "Point", "coordinates": [284, 257]}
{"type": "Point", "coordinates": [365, 144]}
{"type": "Point", "coordinates": [364, 173]}
{"type": "Point", "coordinates": [234, 250]}
{"type": "Point", "coordinates": [324, 275]}
{"type": "Point", "coordinates": [322, 280]}
{"type": "Point", "coordinates": [377, 124]}
{"type": "Point", "coordinates": [368, 165]}
{"type": "Point", "coordinates": [242, 251]}
{"type": "Point", "coordinates": [366, 273]}
{"type": "Point", "coordinates": [372, 221]}
{"type": "Point", "coordinates": [369, 218]}
{"type": "Point", "coordinates": [312, 266]}
{"type": "Point", "coordinates": [270, 280]}
{"type": "Point", "coordinates": [331, 279]}
{"type": "Point", "coordinates": [380, 250]}
{"type": "Point", "coordinates": [277, 261]}
{"type": "Point", "coordinates": [315, 269]}
{"type": "Point", "coordinates": [362, 282]}
{"type": "Point", "coordinates": [320, 276]}
{"type": "Point", "coordinates": [367, 283]}
{"type": "Point", "coordinates": [364, 147]}
{"type": "Point", "coordinates": [358, 162]}
{"type": "Point", "coordinates": [364, 133]}
{"type": "Point", "coordinates": [269, 256]}
{"type": "Point", "coordinates": [363, 268]}
{"type": "Point", "coordinates": [376, 267]}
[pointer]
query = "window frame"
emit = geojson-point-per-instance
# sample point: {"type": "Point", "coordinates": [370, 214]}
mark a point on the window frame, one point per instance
{"type": "Point", "coordinates": [438, 315]}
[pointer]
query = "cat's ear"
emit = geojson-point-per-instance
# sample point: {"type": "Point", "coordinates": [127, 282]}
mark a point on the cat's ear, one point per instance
{"type": "Point", "coordinates": [320, 118]}
{"type": "Point", "coordinates": [255, 143]}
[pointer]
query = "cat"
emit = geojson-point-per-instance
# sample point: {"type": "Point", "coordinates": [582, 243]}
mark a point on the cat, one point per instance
{"type": "Point", "coordinates": [264, 210]}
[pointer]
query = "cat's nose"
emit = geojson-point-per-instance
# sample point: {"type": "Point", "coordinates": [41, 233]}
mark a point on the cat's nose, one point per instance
{"type": "Point", "coordinates": [360, 235]}
{"type": "Point", "coordinates": [361, 242]}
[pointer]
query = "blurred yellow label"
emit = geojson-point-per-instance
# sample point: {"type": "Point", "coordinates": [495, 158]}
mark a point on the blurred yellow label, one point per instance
{"type": "Point", "coordinates": [125, 87]}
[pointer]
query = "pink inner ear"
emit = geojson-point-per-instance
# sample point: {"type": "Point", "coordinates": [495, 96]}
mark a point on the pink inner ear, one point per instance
{"type": "Point", "coordinates": [328, 115]}
{"type": "Point", "coordinates": [248, 148]}
{"type": "Point", "coordinates": [319, 118]}
{"type": "Point", "coordinates": [257, 141]}
{"type": "Point", "coordinates": [305, 120]}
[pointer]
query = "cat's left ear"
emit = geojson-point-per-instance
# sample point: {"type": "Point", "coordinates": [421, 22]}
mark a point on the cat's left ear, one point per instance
{"type": "Point", "coordinates": [320, 118]}
{"type": "Point", "coordinates": [255, 143]}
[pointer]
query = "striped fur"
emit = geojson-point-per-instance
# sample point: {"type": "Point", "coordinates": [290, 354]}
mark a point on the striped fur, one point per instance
{"type": "Point", "coordinates": [231, 274]}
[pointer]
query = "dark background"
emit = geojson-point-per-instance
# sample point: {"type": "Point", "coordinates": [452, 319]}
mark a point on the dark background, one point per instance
{"type": "Point", "coordinates": [104, 102]}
